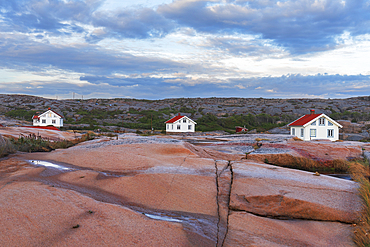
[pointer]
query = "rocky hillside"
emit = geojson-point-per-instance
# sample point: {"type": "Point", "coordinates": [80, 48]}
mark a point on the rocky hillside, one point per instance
{"type": "Point", "coordinates": [210, 113]}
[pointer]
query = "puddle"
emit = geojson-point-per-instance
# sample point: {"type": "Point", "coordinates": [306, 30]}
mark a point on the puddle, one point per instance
{"type": "Point", "coordinates": [165, 218]}
{"type": "Point", "coordinates": [342, 176]}
{"type": "Point", "coordinates": [63, 168]}
{"type": "Point", "coordinates": [49, 164]}
{"type": "Point", "coordinates": [202, 225]}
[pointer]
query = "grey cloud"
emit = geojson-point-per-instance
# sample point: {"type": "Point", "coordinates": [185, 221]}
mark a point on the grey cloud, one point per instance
{"type": "Point", "coordinates": [133, 23]}
{"type": "Point", "coordinates": [302, 26]}
{"type": "Point", "coordinates": [27, 16]}
{"type": "Point", "coordinates": [56, 15]}
{"type": "Point", "coordinates": [19, 52]}
{"type": "Point", "coordinates": [241, 47]}
{"type": "Point", "coordinates": [333, 86]}
{"type": "Point", "coordinates": [275, 87]}
{"type": "Point", "coordinates": [320, 84]}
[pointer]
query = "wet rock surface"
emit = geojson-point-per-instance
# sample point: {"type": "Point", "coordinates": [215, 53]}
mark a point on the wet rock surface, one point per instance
{"type": "Point", "coordinates": [166, 191]}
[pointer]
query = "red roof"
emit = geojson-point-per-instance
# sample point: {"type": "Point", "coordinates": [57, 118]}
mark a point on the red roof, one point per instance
{"type": "Point", "coordinates": [174, 119]}
{"type": "Point", "coordinates": [35, 117]}
{"type": "Point", "coordinates": [304, 119]}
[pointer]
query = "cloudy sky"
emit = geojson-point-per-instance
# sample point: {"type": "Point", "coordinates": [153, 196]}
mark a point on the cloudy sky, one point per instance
{"type": "Point", "coordinates": [157, 49]}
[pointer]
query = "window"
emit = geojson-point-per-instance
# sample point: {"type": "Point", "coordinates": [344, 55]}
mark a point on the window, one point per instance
{"type": "Point", "coordinates": [178, 127]}
{"type": "Point", "coordinates": [322, 121]}
{"type": "Point", "coordinates": [302, 132]}
{"type": "Point", "coordinates": [189, 127]}
{"type": "Point", "coordinates": [168, 126]}
{"type": "Point", "coordinates": [313, 123]}
{"type": "Point", "coordinates": [184, 120]}
{"type": "Point", "coordinates": [312, 132]}
{"type": "Point", "coordinates": [172, 126]}
{"type": "Point", "coordinates": [44, 121]}
{"type": "Point", "coordinates": [53, 121]}
{"type": "Point", "coordinates": [330, 123]}
{"type": "Point", "coordinates": [330, 133]}
{"type": "Point", "coordinates": [293, 131]}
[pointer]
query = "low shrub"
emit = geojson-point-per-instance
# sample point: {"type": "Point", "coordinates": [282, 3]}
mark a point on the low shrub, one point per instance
{"type": "Point", "coordinates": [24, 144]}
{"type": "Point", "coordinates": [38, 144]}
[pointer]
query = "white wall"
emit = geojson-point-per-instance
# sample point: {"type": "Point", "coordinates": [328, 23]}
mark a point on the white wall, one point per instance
{"type": "Point", "coordinates": [48, 117]}
{"type": "Point", "coordinates": [321, 131]}
{"type": "Point", "coordinates": [172, 127]}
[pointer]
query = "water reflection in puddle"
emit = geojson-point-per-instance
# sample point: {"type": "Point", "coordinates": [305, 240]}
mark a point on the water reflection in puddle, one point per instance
{"type": "Point", "coordinates": [342, 176]}
{"type": "Point", "coordinates": [158, 217]}
{"type": "Point", "coordinates": [49, 164]}
{"type": "Point", "coordinates": [200, 225]}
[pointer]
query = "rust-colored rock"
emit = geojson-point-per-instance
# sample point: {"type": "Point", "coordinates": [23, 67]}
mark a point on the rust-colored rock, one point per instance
{"type": "Point", "coordinates": [282, 207]}
{"type": "Point", "coordinates": [174, 179]}
{"type": "Point", "coordinates": [323, 151]}
{"type": "Point", "coordinates": [285, 193]}
{"type": "Point", "coordinates": [253, 231]}
{"type": "Point", "coordinates": [15, 132]}
{"type": "Point", "coordinates": [33, 214]}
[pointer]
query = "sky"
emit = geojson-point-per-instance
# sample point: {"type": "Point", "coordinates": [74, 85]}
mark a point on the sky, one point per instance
{"type": "Point", "coordinates": [156, 49]}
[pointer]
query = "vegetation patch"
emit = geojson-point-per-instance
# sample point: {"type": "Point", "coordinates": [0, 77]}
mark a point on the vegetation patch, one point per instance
{"type": "Point", "coordinates": [351, 115]}
{"type": "Point", "coordinates": [21, 114]}
{"type": "Point", "coordinates": [261, 122]}
{"type": "Point", "coordinates": [360, 173]}
{"type": "Point", "coordinates": [38, 144]}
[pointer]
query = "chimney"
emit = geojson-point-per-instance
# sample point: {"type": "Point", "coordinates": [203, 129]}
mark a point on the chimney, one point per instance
{"type": "Point", "coordinates": [179, 114]}
{"type": "Point", "coordinates": [49, 108]}
{"type": "Point", "coordinates": [312, 111]}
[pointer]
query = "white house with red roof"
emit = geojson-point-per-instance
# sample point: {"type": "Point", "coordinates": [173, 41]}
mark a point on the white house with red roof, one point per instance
{"type": "Point", "coordinates": [315, 126]}
{"type": "Point", "coordinates": [48, 118]}
{"type": "Point", "coordinates": [180, 124]}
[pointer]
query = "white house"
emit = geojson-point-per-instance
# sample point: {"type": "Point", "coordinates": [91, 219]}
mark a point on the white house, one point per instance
{"type": "Point", "coordinates": [315, 126]}
{"type": "Point", "coordinates": [49, 117]}
{"type": "Point", "coordinates": [180, 124]}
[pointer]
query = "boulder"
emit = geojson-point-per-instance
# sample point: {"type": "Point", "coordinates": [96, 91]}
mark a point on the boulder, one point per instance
{"type": "Point", "coordinates": [280, 130]}
{"type": "Point", "coordinates": [253, 131]}
{"type": "Point", "coordinates": [349, 127]}
{"type": "Point", "coordinates": [274, 192]}
{"type": "Point", "coordinates": [353, 137]}
{"type": "Point", "coordinates": [326, 151]}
